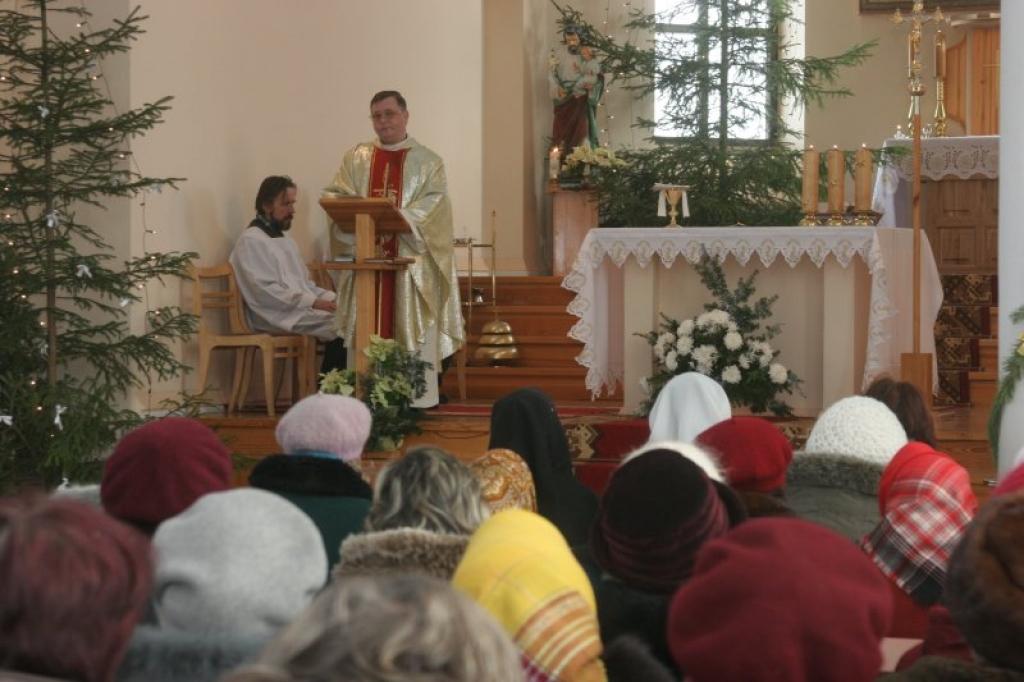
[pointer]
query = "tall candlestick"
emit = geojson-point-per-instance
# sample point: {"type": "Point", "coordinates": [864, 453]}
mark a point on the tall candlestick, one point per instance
{"type": "Point", "coordinates": [863, 169]}
{"type": "Point", "coordinates": [810, 190]}
{"type": "Point", "coordinates": [940, 54]}
{"type": "Point", "coordinates": [836, 180]}
{"type": "Point", "coordinates": [554, 161]}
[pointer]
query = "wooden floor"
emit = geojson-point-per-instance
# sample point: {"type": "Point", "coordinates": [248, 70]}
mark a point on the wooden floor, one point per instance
{"type": "Point", "coordinates": [961, 432]}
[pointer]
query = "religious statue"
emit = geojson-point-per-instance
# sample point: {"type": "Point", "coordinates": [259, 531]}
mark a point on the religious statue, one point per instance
{"type": "Point", "coordinates": [577, 84]}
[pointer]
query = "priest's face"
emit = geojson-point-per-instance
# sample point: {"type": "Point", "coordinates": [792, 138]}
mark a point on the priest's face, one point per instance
{"type": "Point", "coordinates": [389, 120]}
{"type": "Point", "coordinates": [283, 208]}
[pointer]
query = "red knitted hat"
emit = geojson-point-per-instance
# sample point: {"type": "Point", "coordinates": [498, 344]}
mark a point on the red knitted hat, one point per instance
{"type": "Point", "coordinates": [754, 452]}
{"type": "Point", "coordinates": [159, 469]}
{"type": "Point", "coordinates": [780, 599]}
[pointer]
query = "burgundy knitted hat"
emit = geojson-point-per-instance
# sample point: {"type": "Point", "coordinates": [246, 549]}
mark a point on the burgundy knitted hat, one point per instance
{"type": "Point", "coordinates": [780, 599]}
{"type": "Point", "coordinates": [754, 452]}
{"type": "Point", "coordinates": [159, 469]}
{"type": "Point", "coordinates": [659, 508]}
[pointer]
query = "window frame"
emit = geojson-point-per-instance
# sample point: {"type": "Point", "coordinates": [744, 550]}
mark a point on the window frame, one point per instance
{"type": "Point", "coordinates": [707, 123]}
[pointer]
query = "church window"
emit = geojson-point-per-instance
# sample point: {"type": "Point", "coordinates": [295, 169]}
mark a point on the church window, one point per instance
{"type": "Point", "coordinates": [714, 64]}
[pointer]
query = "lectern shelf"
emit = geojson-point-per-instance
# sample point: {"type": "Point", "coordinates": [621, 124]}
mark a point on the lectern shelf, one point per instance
{"type": "Point", "coordinates": [366, 218]}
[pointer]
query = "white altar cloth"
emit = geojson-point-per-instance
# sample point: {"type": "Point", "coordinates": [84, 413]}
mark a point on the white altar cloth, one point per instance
{"type": "Point", "coordinates": [941, 158]}
{"type": "Point", "coordinates": [864, 321]}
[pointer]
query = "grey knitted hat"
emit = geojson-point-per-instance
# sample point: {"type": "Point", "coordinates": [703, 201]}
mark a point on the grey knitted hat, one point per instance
{"type": "Point", "coordinates": [860, 428]}
{"type": "Point", "coordinates": [244, 561]}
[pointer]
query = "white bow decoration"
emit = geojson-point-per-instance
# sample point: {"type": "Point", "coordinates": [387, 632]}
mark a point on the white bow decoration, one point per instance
{"type": "Point", "coordinates": [125, 302]}
{"type": "Point", "coordinates": [52, 218]}
{"type": "Point", "coordinates": [83, 271]}
{"type": "Point", "coordinates": [58, 410]}
{"type": "Point", "coordinates": [44, 111]}
{"type": "Point", "coordinates": [6, 420]}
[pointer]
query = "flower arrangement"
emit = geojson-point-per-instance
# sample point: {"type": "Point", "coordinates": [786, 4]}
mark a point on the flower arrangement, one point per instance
{"type": "Point", "coordinates": [726, 343]}
{"type": "Point", "coordinates": [587, 156]}
{"type": "Point", "coordinates": [395, 379]}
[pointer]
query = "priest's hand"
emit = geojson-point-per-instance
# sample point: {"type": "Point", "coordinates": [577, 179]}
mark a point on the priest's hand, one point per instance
{"type": "Point", "coordinates": [325, 304]}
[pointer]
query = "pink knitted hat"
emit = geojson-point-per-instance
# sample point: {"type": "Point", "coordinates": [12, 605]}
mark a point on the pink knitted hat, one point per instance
{"type": "Point", "coordinates": [325, 424]}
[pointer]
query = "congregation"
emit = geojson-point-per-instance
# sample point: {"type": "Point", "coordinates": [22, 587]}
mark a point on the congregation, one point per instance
{"type": "Point", "coordinates": [715, 553]}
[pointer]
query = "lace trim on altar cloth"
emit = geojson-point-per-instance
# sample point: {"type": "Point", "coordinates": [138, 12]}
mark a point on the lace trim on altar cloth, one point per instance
{"type": "Point", "coordinates": [951, 157]}
{"type": "Point", "coordinates": [767, 243]}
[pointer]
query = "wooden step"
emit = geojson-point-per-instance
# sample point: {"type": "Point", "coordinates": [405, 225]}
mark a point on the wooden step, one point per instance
{"type": "Point", "coordinates": [533, 290]}
{"type": "Point", "coordinates": [561, 383]}
{"type": "Point", "coordinates": [988, 353]}
{"type": "Point", "coordinates": [540, 351]}
{"type": "Point", "coordinates": [983, 386]}
{"type": "Point", "coordinates": [526, 320]}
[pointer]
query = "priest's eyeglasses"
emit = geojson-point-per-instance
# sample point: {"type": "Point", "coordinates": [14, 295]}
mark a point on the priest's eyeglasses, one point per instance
{"type": "Point", "coordinates": [385, 115]}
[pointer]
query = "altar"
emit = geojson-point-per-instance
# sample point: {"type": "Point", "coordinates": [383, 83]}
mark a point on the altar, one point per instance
{"type": "Point", "coordinates": [844, 300]}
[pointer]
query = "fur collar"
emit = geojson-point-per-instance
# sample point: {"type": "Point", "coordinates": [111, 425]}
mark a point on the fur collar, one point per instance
{"type": "Point", "coordinates": [834, 471]}
{"type": "Point", "coordinates": [304, 475]}
{"type": "Point", "coordinates": [402, 550]}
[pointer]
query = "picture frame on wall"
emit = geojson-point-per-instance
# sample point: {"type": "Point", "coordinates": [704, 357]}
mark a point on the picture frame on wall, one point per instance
{"type": "Point", "coordinates": [907, 5]}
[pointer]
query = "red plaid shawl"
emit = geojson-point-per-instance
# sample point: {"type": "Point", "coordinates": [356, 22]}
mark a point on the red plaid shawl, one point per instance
{"type": "Point", "coordinates": [926, 501]}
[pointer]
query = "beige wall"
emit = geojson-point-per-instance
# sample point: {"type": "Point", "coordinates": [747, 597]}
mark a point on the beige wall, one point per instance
{"type": "Point", "coordinates": [880, 99]}
{"type": "Point", "coordinates": [264, 87]}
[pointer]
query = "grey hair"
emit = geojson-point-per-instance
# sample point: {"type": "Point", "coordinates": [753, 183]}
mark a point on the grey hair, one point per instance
{"type": "Point", "coordinates": [427, 488]}
{"type": "Point", "coordinates": [401, 627]}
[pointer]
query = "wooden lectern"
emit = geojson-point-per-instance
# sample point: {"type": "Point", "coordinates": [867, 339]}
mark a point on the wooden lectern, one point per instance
{"type": "Point", "coordinates": [366, 218]}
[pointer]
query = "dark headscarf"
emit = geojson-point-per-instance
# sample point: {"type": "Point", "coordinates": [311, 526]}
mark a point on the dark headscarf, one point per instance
{"type": "Point", "coordinates": [525, 422]}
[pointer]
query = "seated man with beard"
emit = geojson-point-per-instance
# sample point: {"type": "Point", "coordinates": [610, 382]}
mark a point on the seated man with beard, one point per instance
{"type": "Point", "coordinates": [275, 282]}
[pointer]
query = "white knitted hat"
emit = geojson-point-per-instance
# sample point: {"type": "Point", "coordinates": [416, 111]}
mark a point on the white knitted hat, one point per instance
{"type": "Point", "coordinates": [858, 427]}
{"type": "Point", "coordinates": [241, 562]}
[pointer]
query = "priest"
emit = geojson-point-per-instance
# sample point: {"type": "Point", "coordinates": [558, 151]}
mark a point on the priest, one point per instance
{"type": "Point", "coordinates": [418, 306]}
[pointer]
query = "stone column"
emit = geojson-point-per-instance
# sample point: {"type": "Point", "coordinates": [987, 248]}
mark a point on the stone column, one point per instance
{"type": "Point", "coordinates": [1011, 213]}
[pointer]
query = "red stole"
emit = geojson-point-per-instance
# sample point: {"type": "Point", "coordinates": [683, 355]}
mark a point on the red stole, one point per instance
{"type": "Point", "coordinates": [386, 181]}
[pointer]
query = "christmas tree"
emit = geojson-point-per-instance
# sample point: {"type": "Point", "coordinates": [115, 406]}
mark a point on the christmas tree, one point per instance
{"type": "Point", "coordinates": [68, 354]}
{"type": "Point", "coordinates": [720, 74]}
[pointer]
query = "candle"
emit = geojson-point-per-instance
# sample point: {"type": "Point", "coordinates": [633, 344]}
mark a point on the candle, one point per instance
{"type": "Point", "coordinates": [553, 163]}
{"type": "Point", "coordinates": [863, 169]}
{"type": "Point", "coordinates": [836, 180]}
{"type": "Point", "coordinates": [810, 193]}
{"type": "Point", "coordinates": [940, 55]}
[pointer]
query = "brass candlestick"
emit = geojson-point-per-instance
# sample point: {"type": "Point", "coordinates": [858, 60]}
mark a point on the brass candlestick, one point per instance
{"type": "Point", "coordinates": [496, 344]}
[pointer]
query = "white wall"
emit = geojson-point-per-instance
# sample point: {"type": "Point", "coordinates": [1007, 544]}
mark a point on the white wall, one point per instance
{"type": "Point", "coordinates": [264, 87]}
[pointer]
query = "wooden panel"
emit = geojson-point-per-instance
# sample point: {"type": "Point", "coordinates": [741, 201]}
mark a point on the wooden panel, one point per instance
{"type": "Point", "coordinates": [984, 112]}
{"type": "Point", "coordinates": [956, 83]}
{"type": "Point", "coordinates": [573, 214]}
{"type": "Point", "coordinates": [961, 220]}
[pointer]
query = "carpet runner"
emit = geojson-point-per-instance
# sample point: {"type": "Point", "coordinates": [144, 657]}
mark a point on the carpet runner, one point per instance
{"type": "Point", "coordinates": [963, 320]}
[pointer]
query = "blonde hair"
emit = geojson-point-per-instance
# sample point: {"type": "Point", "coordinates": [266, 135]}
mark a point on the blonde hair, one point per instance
{"type": "Point", "coordinates": [407, 628]}
{"type": "Point", "coordinates": [428, 489]}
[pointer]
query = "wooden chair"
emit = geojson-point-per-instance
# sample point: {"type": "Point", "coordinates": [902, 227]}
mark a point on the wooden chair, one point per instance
{"type": "Point", "coordinates": [226, 299]}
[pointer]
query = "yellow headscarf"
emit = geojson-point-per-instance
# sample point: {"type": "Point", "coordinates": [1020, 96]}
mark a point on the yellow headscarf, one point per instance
{"type": "Point", "coordinates": [506, 480]}
{"type": "Point", "coordinates": [520, 569]}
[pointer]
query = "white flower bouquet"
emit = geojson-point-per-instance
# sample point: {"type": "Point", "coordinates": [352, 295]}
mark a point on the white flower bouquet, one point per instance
{"type": "Point", "coordinates": [714, 344]}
